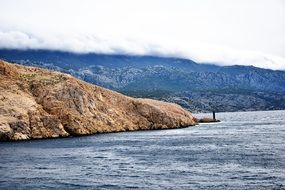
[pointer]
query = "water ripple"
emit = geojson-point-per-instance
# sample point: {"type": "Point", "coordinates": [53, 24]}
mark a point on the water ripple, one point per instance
{"type": "Point", "coordinates": [245, 151]}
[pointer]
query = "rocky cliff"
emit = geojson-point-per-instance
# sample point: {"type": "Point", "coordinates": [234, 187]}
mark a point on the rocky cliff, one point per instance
{"type": "Point", "coordinates": [37, 103]}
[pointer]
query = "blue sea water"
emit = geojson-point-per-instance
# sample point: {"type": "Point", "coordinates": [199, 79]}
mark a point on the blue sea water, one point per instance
{"type": "Point", "coordinates": [245, 151]}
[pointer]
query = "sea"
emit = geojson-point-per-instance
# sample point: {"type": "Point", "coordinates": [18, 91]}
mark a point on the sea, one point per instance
{"type": "Point", "coordinates": [246, 150]}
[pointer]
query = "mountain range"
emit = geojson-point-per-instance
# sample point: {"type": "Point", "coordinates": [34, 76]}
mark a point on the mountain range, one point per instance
{"type": "Point", "coordinates": [198, 87]}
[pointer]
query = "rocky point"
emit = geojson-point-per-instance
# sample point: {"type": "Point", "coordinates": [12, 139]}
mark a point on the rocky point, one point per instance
{"type": "Point", "coordinates": [37, 103]}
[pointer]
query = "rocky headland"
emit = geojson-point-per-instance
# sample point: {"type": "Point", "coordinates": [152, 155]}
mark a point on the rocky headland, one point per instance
{"type": "Point", "coordinates": [37, 103]}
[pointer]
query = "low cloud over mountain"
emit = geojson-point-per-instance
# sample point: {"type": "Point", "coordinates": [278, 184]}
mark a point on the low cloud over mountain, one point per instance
{"type": "Point", "coordinates": [224, 32]}
{"type": "Point", "coordinates": [202, 53]}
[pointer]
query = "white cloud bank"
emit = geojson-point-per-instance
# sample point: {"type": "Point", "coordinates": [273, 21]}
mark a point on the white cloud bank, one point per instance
{"type": "Point", "coordinates": [225, 32]}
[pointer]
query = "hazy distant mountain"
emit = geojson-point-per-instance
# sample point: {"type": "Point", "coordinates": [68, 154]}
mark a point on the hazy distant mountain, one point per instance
{"type": "Point", "coordinates": [200, 87]}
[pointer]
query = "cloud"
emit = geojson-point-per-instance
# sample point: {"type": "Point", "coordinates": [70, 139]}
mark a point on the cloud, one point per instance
{"type": "Point", "coordinates": [199, 52]}
{"type": "Point", "coordinates": [225, 32]}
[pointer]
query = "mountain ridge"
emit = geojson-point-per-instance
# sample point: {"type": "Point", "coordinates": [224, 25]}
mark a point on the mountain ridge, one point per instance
{"type": "Point", "coordinates": [178, 78]}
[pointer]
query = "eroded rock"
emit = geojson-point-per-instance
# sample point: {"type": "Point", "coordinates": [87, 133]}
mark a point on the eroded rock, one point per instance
{"type": "Point", "coordinates": [37, 103]}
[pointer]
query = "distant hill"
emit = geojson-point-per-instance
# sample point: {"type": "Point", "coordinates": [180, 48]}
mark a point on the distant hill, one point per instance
{"type": "Point", "coordinates": [198, 87]}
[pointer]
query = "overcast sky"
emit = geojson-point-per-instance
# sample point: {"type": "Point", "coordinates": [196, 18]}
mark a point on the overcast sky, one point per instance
{"type": "Point", "coordinates": [227, 32]}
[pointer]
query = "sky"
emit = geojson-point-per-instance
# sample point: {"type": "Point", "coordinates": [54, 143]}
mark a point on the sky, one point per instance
{"type": "Point", "coordinates": [224, 32]}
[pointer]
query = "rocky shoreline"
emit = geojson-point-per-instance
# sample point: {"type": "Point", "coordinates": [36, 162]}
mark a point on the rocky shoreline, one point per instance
{"type": "Point", "coordinates": [37, 103]}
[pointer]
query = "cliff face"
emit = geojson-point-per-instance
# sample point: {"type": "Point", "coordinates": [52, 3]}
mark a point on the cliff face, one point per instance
{"type": "Point", "coordinates": [37, 103]}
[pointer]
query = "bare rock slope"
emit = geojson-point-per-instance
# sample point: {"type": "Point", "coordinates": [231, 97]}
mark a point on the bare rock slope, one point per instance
{"type": "Point", "coordinates": [37, 103]}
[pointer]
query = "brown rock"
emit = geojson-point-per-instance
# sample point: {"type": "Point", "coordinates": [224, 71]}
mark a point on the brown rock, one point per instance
{"type": "Point", "coordinates": [37, 103]}
{"type": "Point", "coordinates": [207, 120]}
